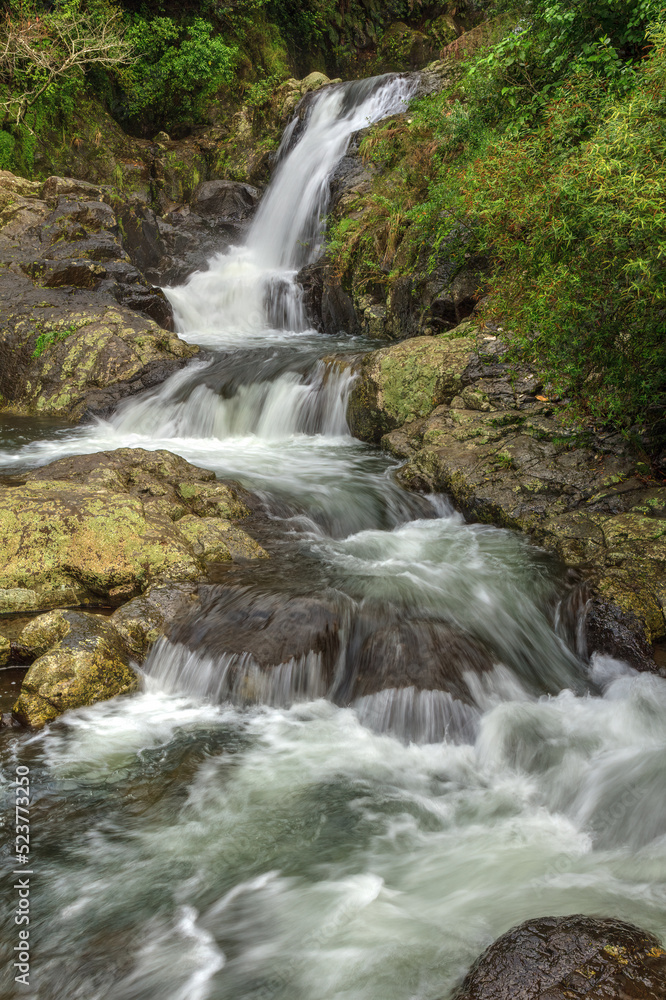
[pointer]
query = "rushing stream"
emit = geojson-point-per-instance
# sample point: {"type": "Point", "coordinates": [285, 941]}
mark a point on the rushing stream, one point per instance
{"type": "Point", "coordinates": [333, 834]}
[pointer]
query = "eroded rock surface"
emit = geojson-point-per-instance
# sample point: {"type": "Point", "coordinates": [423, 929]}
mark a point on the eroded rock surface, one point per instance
{"type": "Point", "coordinates": [100, 529]}
{"type": "Point", "coordinates": [569, 958]}
{"type": "Point", "coordinates": [79, 658]}
{"type": "Point", "coordinates": [80, 327]}
{"type": "Point", "coordinates": [398, 384]}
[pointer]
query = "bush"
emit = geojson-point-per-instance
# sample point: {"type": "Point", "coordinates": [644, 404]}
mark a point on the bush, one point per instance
{"type": "Point", "coordinates": [178, 70]}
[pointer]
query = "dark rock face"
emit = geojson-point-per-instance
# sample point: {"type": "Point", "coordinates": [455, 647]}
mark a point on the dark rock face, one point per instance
{"type": "Point", "coordinates": [71, 238]}
{"type": "Point", "coordinates": [80, 327]}
{"type": "Point", "coordinates": [428, 656]}
{"type": "Point", "coordinates": [567, 958]}
{"type": "Point", "coordinates": [362, 651]}
{"type": "Point", "coordinates": [170, 248]}
{"type": "Point", "coordinates": [617, 633]}
{"type": "Point", "coordinates": [227, 201]}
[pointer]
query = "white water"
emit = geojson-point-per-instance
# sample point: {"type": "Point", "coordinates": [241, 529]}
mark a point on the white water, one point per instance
{"type": "Point", "coordinates": [230, 833]}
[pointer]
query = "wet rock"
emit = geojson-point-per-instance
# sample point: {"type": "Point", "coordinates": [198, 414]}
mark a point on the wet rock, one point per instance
{"type": "Point", "coordinates": [100, 529]}
{"type": "Point", "coordinates": [143, 620]}
{"type": "Point", "coordinates": [427, 656]}
{"type": "Point", "coordinates": [226, 201]}
{"type": "Point", "coordinates": [72, 357]}
{"type": "Point", "coordinates": [399, 384]}
{"type": "Point", "coordinates": [565, 958]}
{"type": "Point", "coordinates": [85, 662]}
{"type": "Point", "coordinates": [241, 634]}
{"type": "Point", "coordinates": [617, 633]}
{"type": "Point", "coordinates": [271, 628]}
{"type": "Point", "coordinates": [170, 248]}
{"type": "Point", "coordinates": [64, 239]}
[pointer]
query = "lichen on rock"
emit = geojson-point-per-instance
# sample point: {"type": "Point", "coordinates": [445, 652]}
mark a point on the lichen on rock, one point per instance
{"type": "Point", "coordinates": [401, 383]}
{"type": "Point", "coordinates": [100, 529]}
{"type": "Point", "coordinates": [84, 662]}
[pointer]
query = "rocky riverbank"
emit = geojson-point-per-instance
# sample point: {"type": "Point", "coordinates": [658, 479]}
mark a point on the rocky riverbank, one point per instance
{"type": "Point", "coordinates": [470, 424]}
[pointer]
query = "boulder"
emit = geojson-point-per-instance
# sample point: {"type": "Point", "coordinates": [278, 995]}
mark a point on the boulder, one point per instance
{"type": "Point", "coordinates": [80, 660]}
{"type": "Point", "coordinates": [566, 958]}
{"type": "Point", "coordinates": [100, 529]}
{"type": "Point", "coordinates": [271, 628]}
{"type": "Point", "coordinates": [399, 384]}
{"type": "Point", "coordinates": [143, 620]}
{"type": "Point", "coordinates": [240, 632]}
{"type": "Point", "coordinates": [227, 201]}
{"type": "Point", "coordinates": [13, 188]}
{"type": "Point", "coordinates": [75, 357]}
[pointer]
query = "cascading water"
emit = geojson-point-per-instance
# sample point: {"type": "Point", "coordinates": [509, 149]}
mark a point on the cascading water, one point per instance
{"type": "Point", "coordinates": [245, 288]}
{"type": "Point", "coordinates": [338, 826]}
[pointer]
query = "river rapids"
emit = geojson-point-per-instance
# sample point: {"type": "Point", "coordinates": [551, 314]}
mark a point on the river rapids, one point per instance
{"type": "Point", "coordinates": [192, 842]}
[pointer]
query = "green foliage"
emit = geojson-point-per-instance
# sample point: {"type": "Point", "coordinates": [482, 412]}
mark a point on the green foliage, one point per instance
{"type": "Point", "coordinates": [552, 40]}
{"type": "Point", "coordinates": [555, 169]}
{"type": "Point", "coordinates": [335, 28]}
{"type": "Point", "coordinates": [179, 68]}
{"type": "Point", "coordinates": [45, 52]}
{"type": "Point", "coordinates": [579, 239]}
{"type": "Point", "coordinates": [45, 340]}
{"type": "Point", "coordinates": [7, 145]}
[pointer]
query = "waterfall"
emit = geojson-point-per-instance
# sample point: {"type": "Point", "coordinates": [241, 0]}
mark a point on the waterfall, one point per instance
{"type": "Point", "coordinates": [253, 288]}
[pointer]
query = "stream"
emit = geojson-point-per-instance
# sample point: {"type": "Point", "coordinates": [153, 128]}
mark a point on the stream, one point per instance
{"type": "Point", "coordinates": [328, 831]}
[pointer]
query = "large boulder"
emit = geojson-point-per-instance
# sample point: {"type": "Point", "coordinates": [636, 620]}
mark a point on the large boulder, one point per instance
{"type": "Point", "coordinates": [68, 235]}
{"type": "Point", "coordinates": [100, 529]}
{"type": "Point", "coordinates": [242, 643]}
{"type": "Point", "coordinates": [75, 358]}
{"type": "Point", "coordinates": [399, 384]}
{"type": "Point", "coordinates": [569, 958]}
{"type": "Point", "coordinates": [169, 248]}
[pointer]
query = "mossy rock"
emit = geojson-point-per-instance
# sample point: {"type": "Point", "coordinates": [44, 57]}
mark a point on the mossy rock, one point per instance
{"type": "Point", "coordinates": [101, 529]}
{"type": "Point", "coordinates": [401, 383]}
{"type": "Point", "coordinates": [86, 662]}
{"type": "Point", "coordinates": [143, 620]}
{"type": "Point", "coordinates": [66, 363]}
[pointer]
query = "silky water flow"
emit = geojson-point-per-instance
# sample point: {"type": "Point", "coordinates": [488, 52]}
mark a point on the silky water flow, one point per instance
{"type": "Point", "coordinates": [335, 827]}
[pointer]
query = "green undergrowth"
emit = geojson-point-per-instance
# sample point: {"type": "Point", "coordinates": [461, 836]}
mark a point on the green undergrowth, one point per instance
{"type": "Point", "coordinates": [50, 337]}
{"type": "Point", "coordinates": [547, 157]}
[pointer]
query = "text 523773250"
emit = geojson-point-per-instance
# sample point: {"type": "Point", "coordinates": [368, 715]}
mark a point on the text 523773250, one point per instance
{"type": "Point", "coordinates": [24, 871]}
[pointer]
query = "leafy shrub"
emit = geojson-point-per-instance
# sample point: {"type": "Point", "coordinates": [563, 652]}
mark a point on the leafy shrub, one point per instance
{"type": "Point", "coordinates": [179, 68]}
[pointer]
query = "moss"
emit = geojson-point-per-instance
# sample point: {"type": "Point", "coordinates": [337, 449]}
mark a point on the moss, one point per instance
{"type": "Point", "coordinates": [399, 384]}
